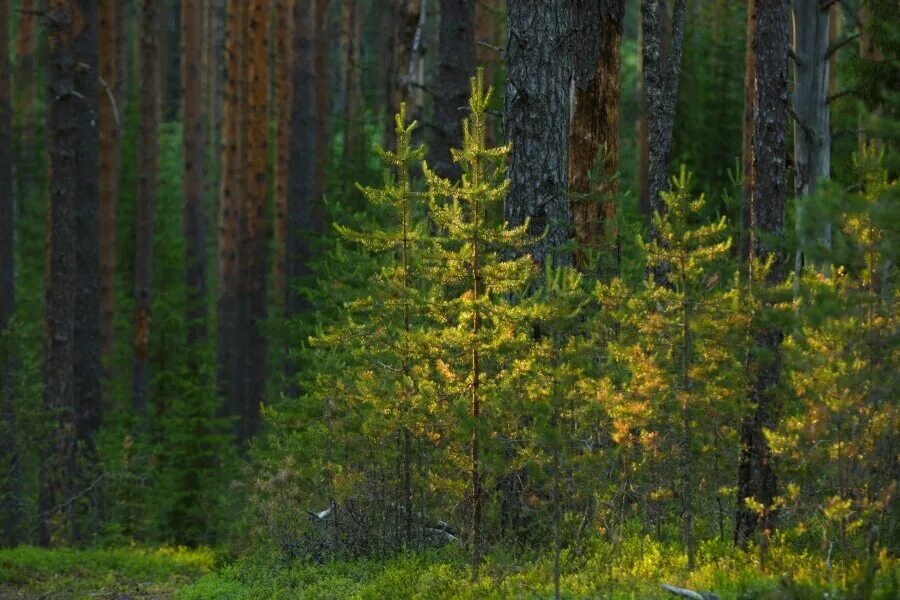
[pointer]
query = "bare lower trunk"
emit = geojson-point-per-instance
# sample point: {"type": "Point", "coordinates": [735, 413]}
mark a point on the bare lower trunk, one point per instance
{"type": "Point", "coordinates": [194, 184]}
{"type": "Point", "coordinates": [148, 162]}
{"type": "Point", "coordinates": [456, 64]}
{"type": "Point", "coordinates": [756, 476]}
{"type": "Point", "coordinates": [812, 135]}
{"type": "Point", "coordinates": [594, 133]}
{"type": "Point", "coordinates": [282, 24]}
{"type": "Point", "coordinates": [661, 74]}
{"type": "Point", "coordinates": [536, 115]}
{"type": "Point", "coordinates": [747, 130]}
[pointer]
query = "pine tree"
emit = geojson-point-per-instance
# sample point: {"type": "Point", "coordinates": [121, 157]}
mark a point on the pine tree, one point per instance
{"type": "Point", "coordinates": [479, 331]}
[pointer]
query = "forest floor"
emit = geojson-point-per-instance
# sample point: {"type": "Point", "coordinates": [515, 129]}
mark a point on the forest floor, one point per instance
{"type": "Point", "coordinates": [130, 573]}
{"type": "Point", "coordinates": [640, 566]}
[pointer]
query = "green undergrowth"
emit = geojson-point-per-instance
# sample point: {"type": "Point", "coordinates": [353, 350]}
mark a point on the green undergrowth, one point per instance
{"type": "Point", "coordinates": [128, 572]}
{"type": "Point", "coordinates": [637, 572]}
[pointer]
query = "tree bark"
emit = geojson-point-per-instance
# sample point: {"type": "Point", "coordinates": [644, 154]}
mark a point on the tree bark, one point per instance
{"type": "Point", "coordinates": [171, 42]}
{"type": "Point", "coordinates": [109, 167]}
{"type": "Point", "coordinates": [536, 116]}
{"type": "Point", "coordinates": [405, 25]}
{"type": "Point", "coordinates": [10, 498]}
{"type": "Point", "coordinates": [323, 97]}
{"type": "Point", "coordinates": [148, 165]}
{"type": "Point", "coordinates": [660, 92]}
{"type": "Point", "coordinates": [231, 193]}
{"type": "Point", "coordinates": [25, 91]}
{"type": "Point", "coordinates": [350, 40]}
{"type": "Point", "coordinates": [756, 476]}
{"type": "Point", "coordinates": [456, 64]}
{"type": "Point", "coordinates": [255, 237]}
{"type": "Point", "coordinates": [747, 130]}
{"type": "Point", "coordinates": [488, 15]}
{"type": "Point", "coordinates": [305, 123]}
{"type": "Point", "coordinates": [812, 133]}
{"type": "Point", "coordinates": [594, 132]}
{"type": "Point", "coordinates": [194, 184]}
{"type": "Point", "coordinates": [69, 401]}
{"type": "Point", "coordinates": [282, 22]}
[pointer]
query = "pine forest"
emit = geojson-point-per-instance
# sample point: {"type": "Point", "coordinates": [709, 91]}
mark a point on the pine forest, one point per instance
{"type": "Point", "coordinates": [450, 299]}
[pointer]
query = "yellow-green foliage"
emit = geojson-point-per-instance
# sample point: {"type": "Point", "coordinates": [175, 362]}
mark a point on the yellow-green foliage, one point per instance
{"type": "Point", "coordinates": [69, 573]}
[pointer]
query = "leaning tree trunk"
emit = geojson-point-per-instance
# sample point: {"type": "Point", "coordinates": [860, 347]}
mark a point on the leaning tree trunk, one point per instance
{"type": "Point", "coordinates": [812, 135]}
{"type": "Point", "coordinates": [9, 464]}
{"type": "Point", "coordinates": [756, 476]}
{"type": "Point", "coordinates": [536, 115]}
{"type": "Point", "coordinates": [194, 184]}
{"type": "Point", "coordinates": [71, 399]}
{"type": "Point", "coordinates": [110, 127]}
{"type": "Point", "coordinates": [148, 163]}
{"type": "Point", "coordinates": [594, 133]}
{"type": "Point", "coordinates": [660, 93]}
{"type": "Point", "coordinates": [255, 235]}
{"type": "Point", "coordinates": [456, 64]}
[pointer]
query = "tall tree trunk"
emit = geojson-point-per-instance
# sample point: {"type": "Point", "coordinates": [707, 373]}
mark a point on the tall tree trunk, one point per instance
{"type": "Point", "coordinates": [87, 366]}
{"type": "Point", "coordinates": [536, 115]}
{"type": "Point", "coordinates": [282, 22]}
{"type": "Point", "coordinates": [747, 130]}
{"type": "Point", "coordinates": [456, 64]}
{"type": "Point", "coordinates": [194, 184]}
{"type": "Point", "coordinates": [661, 72]}
{"type": "Point", "coordinates": [25, 91]}
{"type": "Point", "coordinates": [9, 463]}
{"type": "Point", "coordinates": [110, 160]}
{"type": "Point", "coordinates": [323, 96]}
{"type": "Point", "coordinates": [255, 238]}
{"type": "Point", "coordinates": [71, 392]}
{"type": "Point", "coordinates": [305, 123]}
{"type": "Point", "coordinates": [230, 210]}
{"type": "Point", "coordinates": [594, 133]}
{"type": "Point", "coordinates": [148, 164]}
{"type": "Point", "coordinates": [756, 476]}
{"type": "Point", "coordinates": [812, 134]}
{"type": "Point", "coordinates": [350, 40]}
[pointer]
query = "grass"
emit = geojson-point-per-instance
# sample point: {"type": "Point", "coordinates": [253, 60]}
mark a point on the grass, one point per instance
{"type": "Point", "coordinates": [632, 569]}
{"type": "Point", "coordinates": [131, 572]}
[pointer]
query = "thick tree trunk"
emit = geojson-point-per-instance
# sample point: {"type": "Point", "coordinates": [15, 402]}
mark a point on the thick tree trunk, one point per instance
{"type": "Point", "coordinates": [812, 134]}
{"type": "Point", "coordinates": [255, 238]}
{"type": "Point", "coordinates": [9, 464]}
{"type": "Point", "coordinates": [282, 23]}
{"type": "Point", "coordinates": [594, 133]}
{"type": "Point", "coordinates": [110, 128]}
{"type": "Point", "coordinates": [231, 194]}
{"type": "Point", "coordinates": [661, 72]}
{"type": "Point", "coordinates": [456, 64]}
{"type": "Point", "coordinates": [756, 476]}
{"type": "Point", "coordinates": [536, 115]}
{"type": "Point", "coordinates": [87, 366]}
{"type": "Point", "coordinates": [148, 164]}
{"type": "Point", "coordinates": [747, 130]}
{"type": "Point", "coordinates": [194, 184]}
{"type": "Point", "coordinates": [71, 398]}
